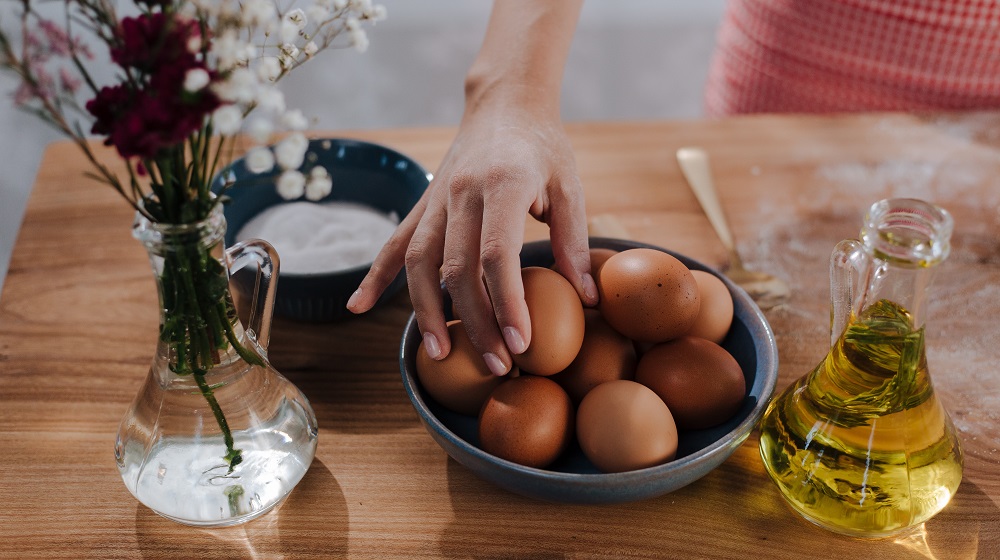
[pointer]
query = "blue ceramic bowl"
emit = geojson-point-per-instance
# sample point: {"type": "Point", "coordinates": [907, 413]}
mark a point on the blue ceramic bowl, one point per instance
{"type": "Point", "coordinates": [573, 478]}
{"type": "Point", "coordinates": [363, 173]}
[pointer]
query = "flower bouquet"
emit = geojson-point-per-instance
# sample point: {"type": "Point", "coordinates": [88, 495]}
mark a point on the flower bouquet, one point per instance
{"type": "Point", "coordinates": [183, 83]}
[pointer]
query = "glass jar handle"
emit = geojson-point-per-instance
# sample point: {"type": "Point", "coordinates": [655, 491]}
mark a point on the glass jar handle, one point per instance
{"type": "Point", "coordinates": [253, 272]}
{"type": "Point", "coordinates": [848, 266]}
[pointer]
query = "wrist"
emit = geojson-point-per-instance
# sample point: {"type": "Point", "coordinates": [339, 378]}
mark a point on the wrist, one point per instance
{"type": "Point", "coordinates": [485, 90]}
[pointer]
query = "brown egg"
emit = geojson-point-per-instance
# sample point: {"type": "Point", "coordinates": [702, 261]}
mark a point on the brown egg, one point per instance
{"type": "Point", "coordinates": [648, 295]}
{"type": "Point", "coordinates": [715, 315]}
{"type": "Point", "coordinates": [598, 256]}
{"type": "Point", "coordinates": [460, 382]}
{"type": "Point", "coordinates": [528, 420]}
{"type": "Point", "coordinates": [701, 383]}
{"type": "Point", "coordinates": [556, 322]}
{"type": "Point", "coordinates": [622, 426]}
{"type": "Point", "coordinates": [606, 355]}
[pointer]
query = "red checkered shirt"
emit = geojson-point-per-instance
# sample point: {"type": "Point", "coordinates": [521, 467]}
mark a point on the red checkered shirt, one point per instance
{"type": "Point", "coordinates": [822, 56]}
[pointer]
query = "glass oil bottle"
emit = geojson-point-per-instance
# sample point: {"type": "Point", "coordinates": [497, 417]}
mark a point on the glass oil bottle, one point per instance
{"type": "Point", "coordinates": [861, 445]}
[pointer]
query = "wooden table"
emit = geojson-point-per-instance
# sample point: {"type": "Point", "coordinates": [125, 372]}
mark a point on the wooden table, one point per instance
{"type": "Point", "coordinates": [78, 325]}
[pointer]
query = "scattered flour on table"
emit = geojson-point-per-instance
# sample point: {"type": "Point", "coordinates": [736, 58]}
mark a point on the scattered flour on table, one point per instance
{"type": "Point", "coordinates": [926, 179]}
{"type": "Point", "coordinates": [327, 237]}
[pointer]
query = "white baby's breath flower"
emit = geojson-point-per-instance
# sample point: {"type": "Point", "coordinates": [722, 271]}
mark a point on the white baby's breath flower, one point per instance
{"type": "Point", "coordinates": [260, 129]}
{"type": "Point", "coordinates": [239, 87]}
{"type": "Point", "coordinates": [268, 69]}
{"type": "Point", "coordinates": [196, 79]}
{"type": "Point", "coordinates": [227, 119]}
{"type": "Point", "coordinates": [319, 185]}
{"type": "Point", "coordinates": [352, 24]}
{"type": "Point", "coordinates": [318, 13]}
{"type": "Point", "coordinates": [291, 184]}
{"type": "Point", "coordinates": [259, 12]}
{"type": "Point", "coordinates": [295, 120]}
{"type": "Point", "coordinates": [339, 4]}
{"type": "Point", "coordinates": [230, 50]}
{"type": "Point", "coordinates": [379, 13]}
{"type": "Point", "coordinates": [226, 9]}
{"type": "Point", "coordinates": [260, 160]}
{"type": "Point", "coordinates": [311, 48]}
{"type": "Point", "coordinates": [297, 17]}
{"type": "Point", "coordinates": [359, 39]}
{"type": "Point", "coordinates": [288, 54]}
{"type": "Point", "coordinates": [289, 31]}
{"type": "Point", "coordinates": [291, 151]}
{"type": "Point", "coordinates": [249, 52]}
{"type": "Point", "coordinates": [363, 6]}
{"type": "Point", "coordinates": [270, 100]}
{"type": "Point", "coordinates": [194, 44]}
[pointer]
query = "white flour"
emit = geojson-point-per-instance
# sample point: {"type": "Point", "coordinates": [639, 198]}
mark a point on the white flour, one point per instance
{"type": "Point", "coordinates": [312, 238]}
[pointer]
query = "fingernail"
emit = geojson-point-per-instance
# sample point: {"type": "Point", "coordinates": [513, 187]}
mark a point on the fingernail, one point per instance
{"type": "Point", "coordinates": [431, 346]}
{"type": "Point", "coordinates": [514, 340]}
{"type": "Point", "coordinates": [354, 298]}
{"type": "Point", "coordinates": [493, 362]}
{"type": "Point", "coordinates": [589, 287]}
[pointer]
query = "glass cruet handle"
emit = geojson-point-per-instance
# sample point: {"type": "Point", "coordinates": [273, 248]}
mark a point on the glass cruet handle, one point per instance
{"type": "Point", "coordinates": [849, 265]}
{"type": "Point", "coordinates": [253, 272]}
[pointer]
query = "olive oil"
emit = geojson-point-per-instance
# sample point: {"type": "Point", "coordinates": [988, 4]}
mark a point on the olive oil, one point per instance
{"type": "Point", "coordinates": [861, 445]}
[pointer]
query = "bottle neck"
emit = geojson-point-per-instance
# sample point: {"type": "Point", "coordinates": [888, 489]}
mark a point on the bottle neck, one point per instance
{"type": "Point", "coordinates": [198, 322]}
{"type": "Point", "coordinates": [905, 240]}
{"type": "Point", "coordinates": [907, 287]}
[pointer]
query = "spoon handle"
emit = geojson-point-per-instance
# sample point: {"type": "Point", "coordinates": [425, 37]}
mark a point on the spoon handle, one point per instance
{"type": "Point", "coordinates": [694, 166]}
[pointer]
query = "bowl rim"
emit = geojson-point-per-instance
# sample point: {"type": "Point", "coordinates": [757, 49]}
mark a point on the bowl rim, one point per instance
{"type": "Point", "coordinates": [729, 441]}
{"type": "Point", "coordinates": [341, 141]}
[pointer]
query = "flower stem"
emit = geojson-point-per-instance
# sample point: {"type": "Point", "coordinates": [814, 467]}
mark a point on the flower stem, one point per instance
{"type": "Point", "coordinates": [197, 322]}
{"type": "Point", "coordinates": [233, 456]}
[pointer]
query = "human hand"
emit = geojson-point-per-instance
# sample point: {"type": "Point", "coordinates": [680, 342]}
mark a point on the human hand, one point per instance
{"type": "Point", "coordinates": [468, 228]}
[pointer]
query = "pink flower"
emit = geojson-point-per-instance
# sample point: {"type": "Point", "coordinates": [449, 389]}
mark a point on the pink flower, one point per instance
{"type": "Point", "coordinates": [59, 42]}
{"type": "Point", "coordinates": [43, 88]}
{"type": "Point", "coordinates": [23, 94]}
{"type": "Point", "coordinates": [69, 82]}
{"type": "Point", "coordinates": [54, 41]}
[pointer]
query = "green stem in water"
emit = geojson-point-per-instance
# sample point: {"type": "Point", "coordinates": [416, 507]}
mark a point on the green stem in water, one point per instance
{"type": "Point", "coordinates": [197, 323]}
{"type": "Point", "coordinates": [243, 351]}
{"type": "Point", "coordinates": [233, 456]}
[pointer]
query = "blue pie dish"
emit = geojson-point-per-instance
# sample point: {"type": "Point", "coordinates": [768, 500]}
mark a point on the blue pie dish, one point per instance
{"type": "Point", "coordinates": [363, 173]}
{"type": "Point", "coordinates": [573, 478]}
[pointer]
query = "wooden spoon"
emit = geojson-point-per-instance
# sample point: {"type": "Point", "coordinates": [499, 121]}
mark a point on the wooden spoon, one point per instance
{"type": "Point", "coordinates": [766, 289]}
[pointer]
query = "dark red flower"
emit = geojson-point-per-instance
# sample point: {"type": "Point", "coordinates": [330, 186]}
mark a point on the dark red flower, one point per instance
{"type": "Point", "coordinates": [151, 41]}
{"type": "Point", "coordinates": [153, 111]}
{"type": "Point", "coordinates": [141, 123]}
{"type": "Point", "coordinates": [107, 106]}
{"type": "Point", "coordinates": [162, 4]}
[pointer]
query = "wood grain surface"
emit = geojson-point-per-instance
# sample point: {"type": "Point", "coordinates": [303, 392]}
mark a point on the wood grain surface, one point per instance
{"type": "Point", "coordinates": [78, 326]}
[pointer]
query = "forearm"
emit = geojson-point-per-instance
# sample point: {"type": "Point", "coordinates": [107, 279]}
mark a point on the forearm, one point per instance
{"type": "Point", "coordinates": [523, 55]}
